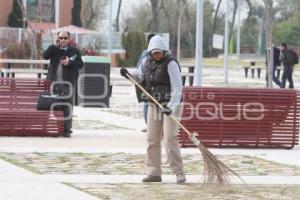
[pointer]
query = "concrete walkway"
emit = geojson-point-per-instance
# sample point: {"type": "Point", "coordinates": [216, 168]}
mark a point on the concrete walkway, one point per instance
{"type": "Point", "coordinates": [124, 136]}
{"type": "Point", "coordinates": [19, 184]}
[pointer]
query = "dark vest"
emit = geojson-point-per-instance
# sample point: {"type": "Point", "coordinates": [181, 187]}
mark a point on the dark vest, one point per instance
{"type": "Point", "coordinates": [157, 80]}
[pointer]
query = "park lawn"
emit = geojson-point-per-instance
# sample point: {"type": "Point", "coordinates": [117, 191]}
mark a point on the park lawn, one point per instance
{"type": "Point", "coordinates": [219, 62]}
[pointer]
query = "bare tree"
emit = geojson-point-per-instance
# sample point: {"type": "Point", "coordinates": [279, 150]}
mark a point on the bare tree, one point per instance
{"type": "Point", "coordinates": [250, 8]}
{"type": "Point", "coordinates": [214, 27]}
{"type": "Point", "coordinates": [93, 13]}
{"type": "Point", "coordinates": [235, 7]}
{"type": "Point", "coordinates": [117, 25]}
{"type": "Point", "coordinates": [189, 36]}
{"type": "Point", "coordinates": [31, 33]}
{"type": "Point", "coordinates": [166, 12]}
{"type": "Point", "coordinates": [180, 15]}
{"type": "Point", "coordinates": [155, 6]}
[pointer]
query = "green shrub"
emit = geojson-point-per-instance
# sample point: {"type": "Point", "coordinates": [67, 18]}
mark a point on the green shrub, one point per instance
{"type": "Point", "coordinates": [134, 43]}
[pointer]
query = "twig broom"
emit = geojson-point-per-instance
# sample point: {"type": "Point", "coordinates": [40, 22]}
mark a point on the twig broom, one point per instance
{"type": "Point", "coordinates": [215, 171]}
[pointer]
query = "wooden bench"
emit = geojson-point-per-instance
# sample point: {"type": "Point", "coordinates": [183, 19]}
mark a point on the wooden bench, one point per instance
{"type": "Point", "coordinates": [18, 114]}
{"type": "Point", "coordinates": [11, 72]}
{"type": "Point", "coordinates": [241, 117]}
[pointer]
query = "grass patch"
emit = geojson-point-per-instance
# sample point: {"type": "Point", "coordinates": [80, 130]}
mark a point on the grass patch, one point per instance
{"type": "Point", "coordinates": [19, 164]}
{"type": "Point", "coordinates": [189, 191]}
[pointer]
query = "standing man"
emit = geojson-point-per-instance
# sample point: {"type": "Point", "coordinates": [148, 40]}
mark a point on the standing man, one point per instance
{"type": "Point", "coordinates": [160, 74]}
{"type": "Point", "coordinates": [138, 92]}
{"type": "Point", "coordinates": [276, 63]}
{"type": "Point", "coordinates": [65, 61]}
{"type": "Point", "coordinates": [288, 65]}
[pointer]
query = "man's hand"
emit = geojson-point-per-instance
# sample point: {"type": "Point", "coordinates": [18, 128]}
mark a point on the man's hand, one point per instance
{"type": "Point", "coordinates": [124, 72]}
{"type": "Point", "coordinates": [167, 111]}
{"type": "Point", "coordinates": [65, 61]}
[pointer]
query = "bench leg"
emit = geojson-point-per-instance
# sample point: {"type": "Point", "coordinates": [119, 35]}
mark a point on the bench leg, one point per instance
{"type": "Point", "coordinates": [183, 80]}
{"type": "Point", "coordinates": [252, 73]}
{"type": "Point", "coordinates": [2, 74]}
{"type": "Point", "coordinates": [191, 80]}
{"type": "Point", "coordinates": [39, 75]}
{"type": "Point", "coordinates": [246, 72]}
{"type": "Point", "coordinates": [13, 75]}
{"type": "Point", "coordinates": [258, 73]}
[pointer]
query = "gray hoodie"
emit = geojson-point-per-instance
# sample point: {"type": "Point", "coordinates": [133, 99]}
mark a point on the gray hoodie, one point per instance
{"type": "Point", "coordinates": [157, 42]}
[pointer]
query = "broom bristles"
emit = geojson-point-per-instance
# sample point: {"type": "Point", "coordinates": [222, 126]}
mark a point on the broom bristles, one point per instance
{"type": "Point", "coordinates": [215, 171]}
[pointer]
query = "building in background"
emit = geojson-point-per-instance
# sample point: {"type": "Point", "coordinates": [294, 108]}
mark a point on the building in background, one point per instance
{"type": "Point", "coordinates": [39, 11]}
{"type": "Point", "coordinates": [40, 15]}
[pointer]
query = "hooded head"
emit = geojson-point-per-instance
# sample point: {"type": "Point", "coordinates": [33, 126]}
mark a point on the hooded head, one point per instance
{"type": "Point", "coordinates": [157, 42]}
{"type": "Point", "coordinates": [157, 47]}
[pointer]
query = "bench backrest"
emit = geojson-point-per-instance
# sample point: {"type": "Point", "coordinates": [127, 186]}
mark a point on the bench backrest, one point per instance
{"type": "Point", "coordinates": [21, 93]}
{"type": "Point", "coordinates": [241, 116]}
{"type": "Point", "coordinates": [18, 114]}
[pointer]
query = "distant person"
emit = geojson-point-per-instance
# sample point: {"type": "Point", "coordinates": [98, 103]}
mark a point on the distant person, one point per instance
{"type": "Point", "coordinates": [288, 65]}
{"type": "Point", "coordinates": [65, 61]}
{"type": "Point", "coordinates": [159, 74]}
{"type": "Point", "coordinates": [144, 55]}
{"type": "Point", "coordinates": [276, 63]}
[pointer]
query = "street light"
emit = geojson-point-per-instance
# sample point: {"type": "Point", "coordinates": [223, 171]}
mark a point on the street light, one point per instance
{"type": "Point", "coordinates": [199, 44]}
{"type": "Point", "coordinates": [226, 43]}
{"type": "Point", "coordinates": [57, 13]}
{"type": "Point", "coordinates": [238, 47]}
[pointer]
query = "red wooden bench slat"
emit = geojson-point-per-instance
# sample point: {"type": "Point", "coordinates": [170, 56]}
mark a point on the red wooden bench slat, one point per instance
{"type": "Point", "coordinates": [279, 126]}
{"type": "Point", "coordinates": [18, 114]}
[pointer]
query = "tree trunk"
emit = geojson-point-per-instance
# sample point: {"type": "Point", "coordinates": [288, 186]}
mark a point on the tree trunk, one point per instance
{"type": "Point", "coordinates": [190, 39]}
{"type": "Point", "coordinates": [167, 16]}
{"type": "Point", "coordinates": [181, 11]}
{"type": "Point", "coordinates": [215, 23]}
{"type": "Point", "coordinates": [117, 26]}
{"type": "Point", "coordinates": [155, 13]}
{"type": "Point", "coordinates": [235, 3]}
{"type": "Point", "coordinates": [76, 13]}
{"type": "Point", "coordinates": [250, 8]}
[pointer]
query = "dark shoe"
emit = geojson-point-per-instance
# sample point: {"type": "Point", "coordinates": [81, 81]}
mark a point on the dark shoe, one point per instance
{"type": "Point", "coordinates": [180, 178]}
{"type": "Point", "coordinates": [67, 133]}
{"type": "Point", "coordinates": [144, 130]}
{"type": "Point", "coordinates": [150, 178]}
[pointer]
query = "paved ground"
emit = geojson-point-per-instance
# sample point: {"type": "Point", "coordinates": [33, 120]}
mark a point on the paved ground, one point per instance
{"type": "Point", "coordinates": [105, 158]}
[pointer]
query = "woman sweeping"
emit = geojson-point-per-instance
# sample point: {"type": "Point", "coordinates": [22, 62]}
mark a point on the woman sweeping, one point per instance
{"type": "Point", "coordinates": [159, 74]}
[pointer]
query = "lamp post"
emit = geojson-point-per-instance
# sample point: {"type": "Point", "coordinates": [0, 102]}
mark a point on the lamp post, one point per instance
{"type": "Point", "coordinates": [270, 52]}
{"type": "Point", "coordinates": [57, 13]}
{"type": "Point", "coordinates": [226, 43]}
{"type": "Point", "coordinates": [199, 44]}
{"type": "Point", "coordinates": [110, 28]}
{"type": "Point", "coordinates": [238, 46]}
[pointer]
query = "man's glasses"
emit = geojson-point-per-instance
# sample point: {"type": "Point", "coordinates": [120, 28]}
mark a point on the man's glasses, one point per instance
{"type": "Point", "coordinates": [63, 38]}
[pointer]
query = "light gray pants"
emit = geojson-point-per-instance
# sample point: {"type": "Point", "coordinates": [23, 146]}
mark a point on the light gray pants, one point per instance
{"type": "Point", "coordinates": [160, 127]}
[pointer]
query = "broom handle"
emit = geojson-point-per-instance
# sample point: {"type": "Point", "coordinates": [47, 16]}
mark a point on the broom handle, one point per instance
{"type": "Point", "coordinates": [158, 104]}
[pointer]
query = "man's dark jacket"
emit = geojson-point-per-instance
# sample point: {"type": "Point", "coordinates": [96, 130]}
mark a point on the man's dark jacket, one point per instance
{"type": "Point", "coordinates": [70, 71]}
